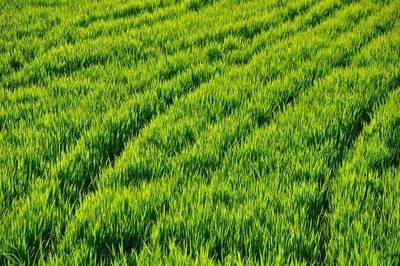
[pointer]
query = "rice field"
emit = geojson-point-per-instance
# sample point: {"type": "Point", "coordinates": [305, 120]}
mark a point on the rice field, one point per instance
{"type": "Point", "coordinates": [200, 132]}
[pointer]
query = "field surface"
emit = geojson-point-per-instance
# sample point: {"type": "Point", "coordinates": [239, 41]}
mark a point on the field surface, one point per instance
{"type": "Point", "coordinates": [202, 132]}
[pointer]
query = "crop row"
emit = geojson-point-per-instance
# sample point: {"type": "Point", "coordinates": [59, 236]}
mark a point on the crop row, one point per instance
{"type": "Point", "coordinates": [187, 131]}
{"type": "Point", "coordinates": [153, 36]}
{"type": "Point", "coordinates": [205, 215]}
{"type": "Point", "coordinates": [169, 68]}
{"type": "Point", "coordinates": [363, 221]}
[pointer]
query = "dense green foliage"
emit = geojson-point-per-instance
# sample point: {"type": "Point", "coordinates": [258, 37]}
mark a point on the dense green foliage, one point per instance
{"type": "Point", "coordinates": [200, 132]}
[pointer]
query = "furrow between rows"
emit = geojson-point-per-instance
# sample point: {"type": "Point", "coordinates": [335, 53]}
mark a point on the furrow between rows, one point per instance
{"type": "Point", "coordinates": [367, 174]}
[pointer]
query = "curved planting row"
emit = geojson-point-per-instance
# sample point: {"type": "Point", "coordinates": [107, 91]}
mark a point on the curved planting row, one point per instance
{"type": "Point", "coordinates": [232, 213]}
{"type": "Point", "coordinates": [200, 132]}
{"type": "Point", "coordinates": [138, 44]}
{"type": "Point", "coordinates": [81, 159]}
{"type": "Point", "coordinates": [363, 222]}
{"type": "Point", "coordinates": [176, 184]}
